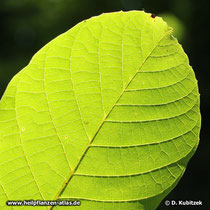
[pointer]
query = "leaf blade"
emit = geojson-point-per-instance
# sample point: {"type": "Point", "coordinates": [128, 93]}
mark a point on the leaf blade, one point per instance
{"type": "Point", "coordinates": [114, 73]}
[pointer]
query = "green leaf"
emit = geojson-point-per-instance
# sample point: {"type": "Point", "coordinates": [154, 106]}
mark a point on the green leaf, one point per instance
{"type": "Point", "coordinates": [176, 24]}
{"type": "Point", "coordinates": [107, 113]}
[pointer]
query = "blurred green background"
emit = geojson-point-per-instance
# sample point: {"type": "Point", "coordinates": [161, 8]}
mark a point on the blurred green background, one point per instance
{"type": "Point", "coordinates": [27, 25]}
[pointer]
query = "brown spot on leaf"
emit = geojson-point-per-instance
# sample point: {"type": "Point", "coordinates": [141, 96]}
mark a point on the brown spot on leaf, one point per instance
{"type": "Point", "coordinates": [153, 15]}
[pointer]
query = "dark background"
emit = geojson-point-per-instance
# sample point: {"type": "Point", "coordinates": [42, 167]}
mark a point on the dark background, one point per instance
{"type": "Point", "coordinates": [27, 25]}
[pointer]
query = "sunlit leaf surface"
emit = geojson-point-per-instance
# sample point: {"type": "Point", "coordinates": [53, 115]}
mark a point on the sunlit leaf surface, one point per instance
{"type": "Point", "coordinates": [107, 114]}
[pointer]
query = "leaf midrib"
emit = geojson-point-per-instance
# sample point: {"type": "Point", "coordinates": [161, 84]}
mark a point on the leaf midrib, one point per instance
{"type": "Point", "coordinates": [99, 127]}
